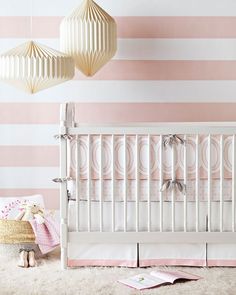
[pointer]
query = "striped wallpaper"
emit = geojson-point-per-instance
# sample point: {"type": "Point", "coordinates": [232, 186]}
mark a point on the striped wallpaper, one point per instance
{"type": "Point", "coordinates": [176, 61]}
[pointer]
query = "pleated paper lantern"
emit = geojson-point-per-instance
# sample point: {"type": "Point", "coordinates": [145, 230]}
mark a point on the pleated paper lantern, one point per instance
{"type": "Point", "coordinates": [33, 67]}
{"type": "Point", "coordinates": [89, 36]}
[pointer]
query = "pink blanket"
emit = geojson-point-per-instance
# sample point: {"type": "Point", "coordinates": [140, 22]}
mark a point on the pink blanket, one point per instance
{"type": "Point", "coordinates": [47, 234]}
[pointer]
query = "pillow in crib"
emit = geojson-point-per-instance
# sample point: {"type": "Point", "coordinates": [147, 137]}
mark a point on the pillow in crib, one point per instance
{"type": "Point", "coordinates": [10, 206]}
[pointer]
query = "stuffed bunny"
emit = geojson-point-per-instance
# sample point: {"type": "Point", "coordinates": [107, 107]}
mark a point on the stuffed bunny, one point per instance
{"type": "Point", "coordinates": [31, 211]}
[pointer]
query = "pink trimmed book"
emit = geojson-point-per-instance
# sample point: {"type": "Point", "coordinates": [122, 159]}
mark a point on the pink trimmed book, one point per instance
{"type": "Point", "coordinates": [157, 279]}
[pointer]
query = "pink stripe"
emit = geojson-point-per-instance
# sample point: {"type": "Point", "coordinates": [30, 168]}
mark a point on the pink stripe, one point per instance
{"type": "Point", "coordinates": [29, 113]}
{"type": "Point", "coordinates": [29, 156]}
{"type": "Point", "coordinates": [176, 27]}
{"type": "Point", "coordinates": [51, 196]}
{"type": "Point", "coordinates": [182, 262]}
{"type": "Point", "coordinates": [37, 113]}
{"type": "Point", "coordinates": [98, 262]}
{"type": "Point", "coordinates": [128, 27]}
{"type": "Point", "coordinates": [19, 26]}
{"type": "Point", "coordinates": [165, 70]}
{"type": "Point", "coordinates": [221, 262]}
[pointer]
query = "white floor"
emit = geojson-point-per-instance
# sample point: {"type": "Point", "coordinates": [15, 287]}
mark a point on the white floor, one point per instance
{"type": "Point", "coordinates": [48, 279]}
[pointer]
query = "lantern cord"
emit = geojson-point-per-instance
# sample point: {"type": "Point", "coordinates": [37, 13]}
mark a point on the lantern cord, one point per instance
{"type": "Point", "coordinates": [31, 18]}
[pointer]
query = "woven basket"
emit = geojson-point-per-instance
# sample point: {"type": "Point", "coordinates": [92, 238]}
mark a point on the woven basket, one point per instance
{"type": "Point", "coordinates": [16, 232]}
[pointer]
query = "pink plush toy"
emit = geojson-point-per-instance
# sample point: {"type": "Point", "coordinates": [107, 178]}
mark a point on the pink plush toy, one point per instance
{"type": "Point", "coordinates": [31, 211]}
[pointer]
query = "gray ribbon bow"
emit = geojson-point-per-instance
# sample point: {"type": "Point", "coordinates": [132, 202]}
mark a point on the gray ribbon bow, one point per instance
{"type": "Point", "coordinates": [172, 139]}
{"type": "Point", "coordinates": [61, 180]}
{"type": "Point", "coordinates": [174, 184]}
{"type": "Point", "coordinates": [65, 136]}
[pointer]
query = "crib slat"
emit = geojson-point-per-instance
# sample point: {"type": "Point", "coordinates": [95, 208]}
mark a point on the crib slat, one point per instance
{"type": "Point", "coordinates": [185, 182]}
{"type": "Point", "coordinates": [233, 181]}
{"type": "Point", "coordinates": [197, 183]}
{"type": "Point", "coordinates": [137, 183]}
{"type": "Point", "coordinates": [209, 184]}
{"type": "Point", "coordinates": [125, 182]}
{"type": "Point", "coordinates": [77, 185]}
{"type": "Point", "coordinates": [161, 182]}
{"type": "Point", "coordinates": [149, 183]}
{"type": "Point", "coordinates": [101, 184]}
{"type": "Point", "coordinates": [221, 180]}
{"type": "Point", "coordinates": [89, 182]}
{"type": "Point", "coordinates": [113, 181]}
{"type": "Point", "coordinates": [173, 191]}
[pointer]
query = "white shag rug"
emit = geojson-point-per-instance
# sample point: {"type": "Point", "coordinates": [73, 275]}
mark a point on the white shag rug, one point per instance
{"type": "Point", "coordinates": [48, 279]}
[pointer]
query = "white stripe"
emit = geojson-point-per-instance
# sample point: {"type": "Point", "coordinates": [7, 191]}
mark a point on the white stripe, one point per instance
{"type": "Point", "coordinates": [32, 134]}
{"type": "Point", "coordinates": [127, 91]}
{"type": "Point", "coordinates": [156, 49]}
{"type": "Point", "coordinates": [124, 7]}
{"type": "Point", "coordinates": [28, 177]}
{"type": "Point", "coordinates": [176, 49]}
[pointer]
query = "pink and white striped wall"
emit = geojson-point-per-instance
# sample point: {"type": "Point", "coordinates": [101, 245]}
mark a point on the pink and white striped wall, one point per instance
{"type": "Point", "coordinates": [176, 61]}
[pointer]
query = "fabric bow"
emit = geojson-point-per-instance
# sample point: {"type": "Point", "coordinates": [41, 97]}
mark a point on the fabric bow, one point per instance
{"type": "Point", "coordinates": [172, 139]}
{"type": "Point", "coordinates": [174, 184]}
{"type": "Point", "coordinates": [65, 136]}
{"type": "Point", "coordinates": [61, 180]}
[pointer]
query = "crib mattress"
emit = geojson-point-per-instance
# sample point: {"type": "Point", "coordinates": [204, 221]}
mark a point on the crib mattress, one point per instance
{"type": "Point", "coordinates": [143, 216]}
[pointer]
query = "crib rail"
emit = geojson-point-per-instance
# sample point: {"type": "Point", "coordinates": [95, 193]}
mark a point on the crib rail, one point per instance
{"type": "Point", "coordinates": [156, 128]}
{"type": "Point", "coordinates": [151, 238]}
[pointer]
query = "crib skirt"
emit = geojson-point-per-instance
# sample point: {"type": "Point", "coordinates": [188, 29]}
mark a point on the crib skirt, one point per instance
{"type": "Point", "coordinates": [133, 255]}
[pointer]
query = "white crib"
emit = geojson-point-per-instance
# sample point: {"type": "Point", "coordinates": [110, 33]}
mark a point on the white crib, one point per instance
{"type": "Point", "coordinates": [185, 233]}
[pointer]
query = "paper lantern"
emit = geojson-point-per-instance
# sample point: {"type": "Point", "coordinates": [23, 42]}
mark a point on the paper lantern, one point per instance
{"type": "Point", "coordinates": [33, 67]}
{"type": "Point", "coordinates": [88, 34]}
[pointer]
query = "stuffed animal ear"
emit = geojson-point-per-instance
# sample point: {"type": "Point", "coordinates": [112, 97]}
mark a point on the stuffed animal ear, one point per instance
{"type": "Point", "coordinates": [20, 215]}
{"type": "Point", "coordinates": [23, 206]}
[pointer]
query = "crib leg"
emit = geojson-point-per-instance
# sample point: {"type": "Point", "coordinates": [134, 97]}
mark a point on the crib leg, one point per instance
{"type": "Point", "coordinates": [63, 258]}
{"type": "Point", "coordinates": [64, 254]}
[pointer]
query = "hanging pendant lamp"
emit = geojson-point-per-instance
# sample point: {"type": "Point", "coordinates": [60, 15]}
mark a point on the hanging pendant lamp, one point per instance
{"type": "Point", "coordinates": [89, 36]}
{"type": "Point", "coordinates": [33, 67]}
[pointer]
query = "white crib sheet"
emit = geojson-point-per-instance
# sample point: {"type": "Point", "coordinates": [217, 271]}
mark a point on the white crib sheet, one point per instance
{"type": "Point", "coordinates": [143, 216]}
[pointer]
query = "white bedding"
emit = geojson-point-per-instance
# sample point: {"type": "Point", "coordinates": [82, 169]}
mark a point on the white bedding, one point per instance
{"type": "Point", "coordinates": [143, 217]}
